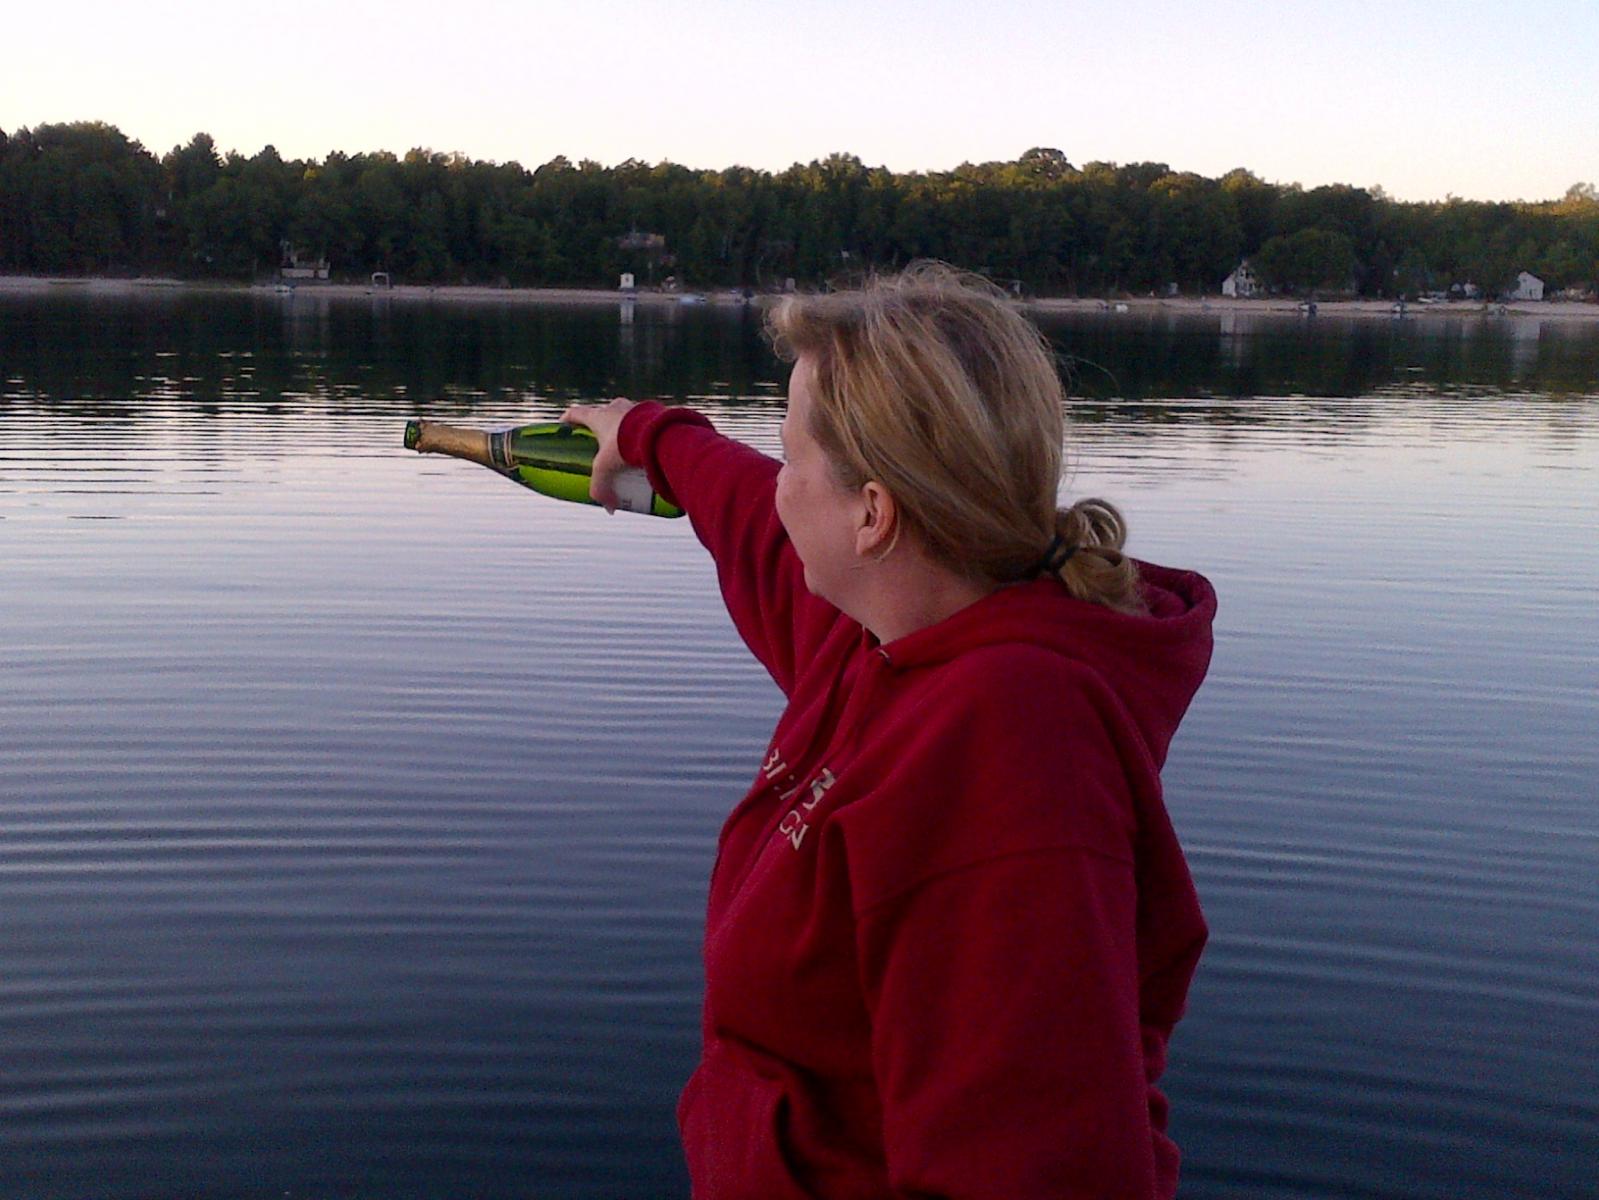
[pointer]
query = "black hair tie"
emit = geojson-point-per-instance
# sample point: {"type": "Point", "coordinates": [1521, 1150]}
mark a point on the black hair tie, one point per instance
{"type": "Point", "coordinates": [1057, 556]}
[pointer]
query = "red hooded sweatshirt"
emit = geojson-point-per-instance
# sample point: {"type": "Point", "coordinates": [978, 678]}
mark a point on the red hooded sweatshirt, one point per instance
{"type": "Point", "coordinates": [950, 928]}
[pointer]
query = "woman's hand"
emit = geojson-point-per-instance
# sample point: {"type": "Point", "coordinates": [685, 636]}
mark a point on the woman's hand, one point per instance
{"type": "Point", "coordinates": [603, 420]}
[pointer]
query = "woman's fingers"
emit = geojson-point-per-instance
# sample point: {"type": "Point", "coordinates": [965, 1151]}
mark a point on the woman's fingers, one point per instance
{"type": "Point", "coordinates": [604, 421]}
{"type": "Point", "coordinates": [608, 465]}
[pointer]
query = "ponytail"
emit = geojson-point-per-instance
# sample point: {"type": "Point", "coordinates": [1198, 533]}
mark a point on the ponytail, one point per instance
{"type": "Point", "coordinates": [1087, 557]}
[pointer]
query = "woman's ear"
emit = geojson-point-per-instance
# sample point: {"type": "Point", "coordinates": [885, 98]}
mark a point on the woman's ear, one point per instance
{"type": "Point", "coordinates": [879, 521]}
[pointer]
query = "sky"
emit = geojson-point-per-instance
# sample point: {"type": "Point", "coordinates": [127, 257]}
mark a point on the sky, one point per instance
{"type": "Point", "coordinates": [1424, 98]}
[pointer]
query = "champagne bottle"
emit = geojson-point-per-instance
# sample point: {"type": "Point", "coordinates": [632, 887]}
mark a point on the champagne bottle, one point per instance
{"type": "Point", "coordinates": [551, 458]}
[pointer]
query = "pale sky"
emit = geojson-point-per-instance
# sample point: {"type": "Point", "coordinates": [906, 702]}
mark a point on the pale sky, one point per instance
{"type": "Point", "coordinates": [1484, 99]}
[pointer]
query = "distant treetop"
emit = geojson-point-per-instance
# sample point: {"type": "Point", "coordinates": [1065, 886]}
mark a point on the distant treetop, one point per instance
{"type": "Point", "coordinates": [83, 198]}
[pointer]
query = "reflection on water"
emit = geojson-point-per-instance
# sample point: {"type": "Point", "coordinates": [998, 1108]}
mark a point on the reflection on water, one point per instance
{"type": "Point", "coordinates": [304, 345]}
{"type": "Point", "coordinates": [1240, 354]}
{"type": "Point", "coordinates": [357, 807]}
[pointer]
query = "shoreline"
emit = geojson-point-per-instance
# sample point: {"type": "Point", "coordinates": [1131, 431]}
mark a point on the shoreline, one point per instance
{"type": "Point", "coordinates": [18, 285]}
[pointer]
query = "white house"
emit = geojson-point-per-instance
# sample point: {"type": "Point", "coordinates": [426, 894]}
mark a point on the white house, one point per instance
{"type": "Point", "coordinates": [1241, 282]}
{"type": "Point", "coordinates": [1528, 287]}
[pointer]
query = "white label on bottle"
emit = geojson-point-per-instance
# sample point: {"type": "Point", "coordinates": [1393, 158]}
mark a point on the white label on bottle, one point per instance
{"type": "Point", "coordinates": [633, 491]}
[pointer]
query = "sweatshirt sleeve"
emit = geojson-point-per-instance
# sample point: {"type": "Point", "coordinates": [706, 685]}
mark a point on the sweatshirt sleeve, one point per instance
{"type": "Point", "coordinates": [728, 489]}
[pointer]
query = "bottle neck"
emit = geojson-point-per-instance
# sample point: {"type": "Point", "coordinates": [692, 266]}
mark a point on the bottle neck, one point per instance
{"type": "Point", "coordinates": [436, 437]}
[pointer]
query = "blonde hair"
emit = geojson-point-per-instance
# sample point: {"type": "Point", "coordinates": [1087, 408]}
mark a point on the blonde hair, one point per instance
{"type": "Point", "coordinates": [929, 382]}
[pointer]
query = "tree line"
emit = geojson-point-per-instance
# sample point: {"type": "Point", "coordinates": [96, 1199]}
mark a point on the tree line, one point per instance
{"type": "Point", "coordinates": [83, 198]}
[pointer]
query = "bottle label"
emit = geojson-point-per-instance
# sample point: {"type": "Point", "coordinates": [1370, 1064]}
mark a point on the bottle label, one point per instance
{"type": "Point", "coordinates": [633, 491]}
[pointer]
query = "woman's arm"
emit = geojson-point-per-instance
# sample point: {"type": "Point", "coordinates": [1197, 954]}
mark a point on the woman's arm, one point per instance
{"type": "Point", "coordinates": [727, 489]}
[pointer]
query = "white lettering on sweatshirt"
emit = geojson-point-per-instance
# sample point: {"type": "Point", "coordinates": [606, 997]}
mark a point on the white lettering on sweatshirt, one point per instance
{"type": "Point", "coordinates": [794, 826]}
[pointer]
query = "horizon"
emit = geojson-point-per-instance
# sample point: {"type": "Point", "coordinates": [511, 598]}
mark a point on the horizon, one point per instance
{"type": "Point", "coordinates": [1487, 106]}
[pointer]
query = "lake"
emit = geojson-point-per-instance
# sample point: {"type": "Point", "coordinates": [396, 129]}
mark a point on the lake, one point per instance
{"type": "Point", "coordinates": [356, 808]}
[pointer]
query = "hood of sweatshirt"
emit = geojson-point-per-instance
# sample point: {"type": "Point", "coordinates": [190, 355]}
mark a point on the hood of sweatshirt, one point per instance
{"type": "Point", "coordinates": [1154, 662]}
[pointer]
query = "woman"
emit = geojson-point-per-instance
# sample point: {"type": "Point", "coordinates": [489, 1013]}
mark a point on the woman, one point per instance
{"type": "Point", "coordinates": [950, 928]}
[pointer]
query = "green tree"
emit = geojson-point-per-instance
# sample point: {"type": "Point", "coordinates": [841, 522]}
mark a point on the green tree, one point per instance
{"type": "Point", "coordinates": [1043, 164]}
{"type": "Point", "coordinates": [79, 197]}
{"type": "Point", "coordinates": [1254, 203]}
{"type": "Point", "coordinates": [85, 198]}
{"type": "Point", "coordinates": [1412, 276]}
{"type": "Point", "coordinates": [1307, 260]}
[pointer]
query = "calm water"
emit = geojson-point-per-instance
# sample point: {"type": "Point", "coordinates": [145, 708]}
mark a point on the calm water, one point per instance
{"type": "Point", "coordinates": [356, 808]}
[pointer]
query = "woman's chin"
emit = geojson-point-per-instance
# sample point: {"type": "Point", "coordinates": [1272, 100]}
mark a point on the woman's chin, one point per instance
{"type": "Point", "coordinates": [815, 589]}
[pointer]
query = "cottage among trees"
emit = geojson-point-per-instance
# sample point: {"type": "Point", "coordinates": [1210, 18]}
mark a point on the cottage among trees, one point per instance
{"type": "Point", "coordinates": [1242, 282]}
{"type": "Point", "coordinates": [1528, 287]}
{"type": "Point", "coordinates": [294, 265]}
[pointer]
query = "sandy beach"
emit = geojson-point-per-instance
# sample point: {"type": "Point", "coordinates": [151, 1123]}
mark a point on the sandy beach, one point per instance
{"type": "Point", "coordinates": [1284, 306]}
{"type": "Point", "coordinates": [1176, 305]}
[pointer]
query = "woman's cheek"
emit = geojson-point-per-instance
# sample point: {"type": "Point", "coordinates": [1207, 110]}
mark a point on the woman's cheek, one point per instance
{"type": "Point", "coordinates": [781, 499]}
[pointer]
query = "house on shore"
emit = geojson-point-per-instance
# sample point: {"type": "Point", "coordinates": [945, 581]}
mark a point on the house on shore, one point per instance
{"type": "Point", "coordinates": [1242, 282]}
{"type": "Point", "coordinates": [647, 250]}
{"type": "Point", "coordinates": [291, 266]}
{"type": "Point", "coordinates": [1528, 287]}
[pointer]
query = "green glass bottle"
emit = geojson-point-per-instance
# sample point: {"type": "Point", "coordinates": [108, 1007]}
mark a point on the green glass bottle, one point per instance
{"type": "Point", "coordinates": [550, 458]}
